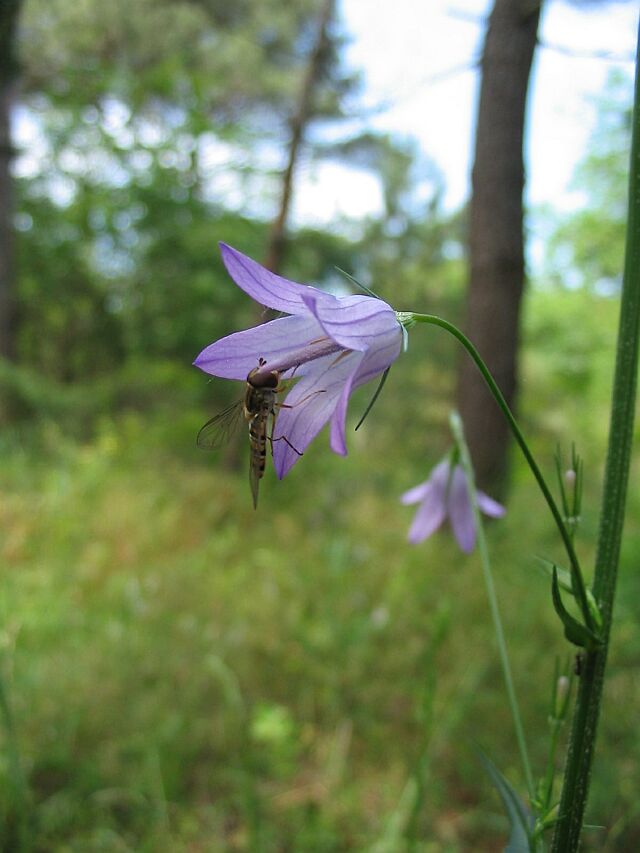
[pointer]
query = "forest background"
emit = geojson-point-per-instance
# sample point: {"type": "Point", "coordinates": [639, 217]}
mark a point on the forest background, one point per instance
{"type": "Point", "coordinates": [186, 673]}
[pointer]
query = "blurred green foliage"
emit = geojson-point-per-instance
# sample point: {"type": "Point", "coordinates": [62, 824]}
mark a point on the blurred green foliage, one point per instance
{"type": "Point", "coordinates": [188, 674]}
{"type": "Point", "coordinates": [587, 246]}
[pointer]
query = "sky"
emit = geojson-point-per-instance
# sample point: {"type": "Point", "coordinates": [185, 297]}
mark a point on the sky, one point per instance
{"type": "Point", "coordinates": [417, 57]}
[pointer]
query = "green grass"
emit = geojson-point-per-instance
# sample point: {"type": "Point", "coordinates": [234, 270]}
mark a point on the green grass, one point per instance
{"type": "Point", "coordinates": [187, 674]}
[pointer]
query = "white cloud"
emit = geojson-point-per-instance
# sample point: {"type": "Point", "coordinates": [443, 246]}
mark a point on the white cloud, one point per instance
{"type": "Point", "coordinates": [416, 57]}
{"type": "Point", "coordinates": [329, 191]}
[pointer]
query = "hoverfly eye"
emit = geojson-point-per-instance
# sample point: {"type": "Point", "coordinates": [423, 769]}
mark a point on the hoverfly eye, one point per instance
{"type": "Point", "coordinates": [269, 381]}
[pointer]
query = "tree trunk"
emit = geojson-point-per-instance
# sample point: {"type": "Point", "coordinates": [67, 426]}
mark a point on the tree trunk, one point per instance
{"type": "Point", "coordinates": [496, 242]}
{"type": "Point", "coordinates": [8, 72]}
{"type": "Point", "coordinates": [302, 113]}
{"type": "Point", "coordinates": [301, 116]}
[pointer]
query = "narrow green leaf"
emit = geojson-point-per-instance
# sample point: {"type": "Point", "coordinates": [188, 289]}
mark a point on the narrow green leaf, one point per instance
{"type": "Point", "coordinates": [391, 840]}
{"type": "Point", "coordinates": [520, 820]}
{"type": "Point", "coordinates": [564, 576]}
{"type": "Point", "coordinates": [582, 601]}
{"type": "Point", "coordinates": [574, 631]}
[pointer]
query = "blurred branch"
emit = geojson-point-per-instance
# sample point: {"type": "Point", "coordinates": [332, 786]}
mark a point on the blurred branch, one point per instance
{"type": "Point", "coordinates": [606, 55]}
{"type": "Point", "coordinates": [468, 17]}
{"type": "Point", "coordinates": [299, 121]}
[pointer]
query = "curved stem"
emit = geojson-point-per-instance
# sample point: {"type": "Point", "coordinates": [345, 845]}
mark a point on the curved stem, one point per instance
{"type": "Point", "coordinates": [576, 573]}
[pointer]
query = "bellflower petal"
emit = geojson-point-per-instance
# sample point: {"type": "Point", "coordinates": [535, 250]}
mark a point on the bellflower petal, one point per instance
{"type": "Point", "coordinates": [266, 287]}
{"type": "Point", "coordinates": [489, 506]}
{"type": "Point", "coordinates": [426, 521]}
{"type": "Point", "coordinates": [308, 407]}
{"type": "Point", "coordinates": [337, 437]}
{"type": "Point", "coordinates": [354, 322]}
{"type": "Point", "coordinates": [330, 345]}
{"type": "Point", "coordinates": [377, 358]}
{"type": "Point", "coordinates": [234, 356]}
{"type": "Point", "coordinates": [460, 511]}
{"type": "Point", "coordinates": [446, 494]}
{"type": "Point", "coordinates": [416, 494]}
{"type": "Point", "coordinates": [430, 515]}
{"type": "Point", "coordinates": [374, 362]}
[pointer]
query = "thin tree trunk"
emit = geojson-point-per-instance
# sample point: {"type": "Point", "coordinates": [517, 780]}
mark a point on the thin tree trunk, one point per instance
{"type": "Point", "coordinates": [8, 73]}
{"type": "Point", "coordinates": [299, 121]}
{"type": "Point", "coordinates": [496, 242]}
{"type": "Point", "coordinates": [301, 115]}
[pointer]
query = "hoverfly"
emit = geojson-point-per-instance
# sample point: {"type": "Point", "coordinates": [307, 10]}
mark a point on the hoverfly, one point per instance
{"type": "Point", "coordinates": [260, 403]}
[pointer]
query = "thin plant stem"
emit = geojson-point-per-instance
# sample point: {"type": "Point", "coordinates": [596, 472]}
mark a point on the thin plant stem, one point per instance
{"type": "Point", "coordinates": [556, 728]}
{"type": "Point", "coordinates": [578, 580]}
{"type": "Point", "coordinates": [18, 781]}
{"type": "Point", "coordinates": [456, 426]}
{"type": "Point", "coordinates": [585, 721]}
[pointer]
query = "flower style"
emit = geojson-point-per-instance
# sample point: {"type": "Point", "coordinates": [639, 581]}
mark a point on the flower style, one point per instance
{"type": "Point", "coordinates": [446, 494]}
{"type": "Point", "coordinates": [331, 344]}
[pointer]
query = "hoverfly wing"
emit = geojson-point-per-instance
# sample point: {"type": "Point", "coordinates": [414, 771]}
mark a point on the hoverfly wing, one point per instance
{"type": "Point", "coordinates": [218, 430]}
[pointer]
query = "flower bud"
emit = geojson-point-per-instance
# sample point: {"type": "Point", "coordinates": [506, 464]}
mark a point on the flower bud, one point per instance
{"type": "Point", "coordinates": [562, 691]}
{"type": "Point", "coordinates": [562, 688]}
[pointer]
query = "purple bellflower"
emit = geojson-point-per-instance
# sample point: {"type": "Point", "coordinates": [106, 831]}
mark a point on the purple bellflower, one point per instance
{"type": "Point", "coordinates": [330, 344]}
{"type": "Point", "coordinates": [446, 495]}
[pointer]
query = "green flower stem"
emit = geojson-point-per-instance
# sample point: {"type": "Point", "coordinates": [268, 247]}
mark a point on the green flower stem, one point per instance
{"type": "Point", "coordinates": [583, 732]}
{"type": "Point", "coordinates": [458, 432]}
{"type": "Point", "coordinates": [559, 707]}
{"type": "Point", "coordinates": [576, 573]}
{"type": "Point", "coordinates": [556, 728]}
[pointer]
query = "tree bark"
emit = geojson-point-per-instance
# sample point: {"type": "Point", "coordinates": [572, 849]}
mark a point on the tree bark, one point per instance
{"type": "Point", "coordinates": [301, 116]}
{"type": "Point", "coordinates": [496, 241]}
{"type": "Point", "coordinates": [8, 73]}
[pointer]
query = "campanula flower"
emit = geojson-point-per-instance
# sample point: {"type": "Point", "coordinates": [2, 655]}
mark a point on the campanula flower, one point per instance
{"type": "Point", "coordinates": [446, 495]}
{"type": "Point", "coordinates": [330, 344]}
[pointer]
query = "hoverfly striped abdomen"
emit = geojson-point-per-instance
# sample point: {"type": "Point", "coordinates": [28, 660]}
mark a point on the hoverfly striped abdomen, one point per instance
{"type": "Point", "coordinates": [260, 407]}
{"type": "Point", "coordinates": [259, 404]}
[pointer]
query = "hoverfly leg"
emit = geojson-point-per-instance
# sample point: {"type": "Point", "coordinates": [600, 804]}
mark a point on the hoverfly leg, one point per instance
{"type": "Point", "coordinates": [274, 417]}
{"type": "Point", "coordinates": [283, 387]}
{"type": "Point", "coordinates": [287, 442]}
{"type": "Point", "coordinates": [340, 356]}
{"type": "Point", "coordinates": [303, 400]}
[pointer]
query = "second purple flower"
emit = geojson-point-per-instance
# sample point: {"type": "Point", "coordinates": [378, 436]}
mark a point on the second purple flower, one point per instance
{"type": "Point", "coordinates": [446, 495]}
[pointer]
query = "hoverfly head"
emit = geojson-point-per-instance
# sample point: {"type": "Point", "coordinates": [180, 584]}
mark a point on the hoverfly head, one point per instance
{"type": "Point", "coordinates": [261, 378]}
